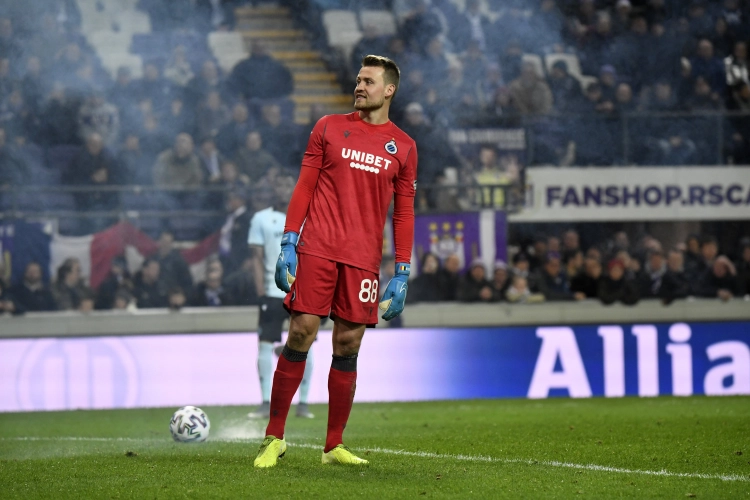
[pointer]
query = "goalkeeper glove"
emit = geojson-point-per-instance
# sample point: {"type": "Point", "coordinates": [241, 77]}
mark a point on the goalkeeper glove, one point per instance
{"type": "Point", "coordinates": [395, 292]}
{"type": "Point", "coordinates": [286, 266]}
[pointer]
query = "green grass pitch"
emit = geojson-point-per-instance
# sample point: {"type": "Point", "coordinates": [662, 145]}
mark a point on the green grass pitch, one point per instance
{"type": "Point", "coordinates": [557, 448]}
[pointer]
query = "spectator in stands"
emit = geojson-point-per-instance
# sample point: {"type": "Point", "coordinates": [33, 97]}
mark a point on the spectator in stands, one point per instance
{"type": "Point", "coordinates": [122, 95]}
{"type": "Point", "coordinates": [426, 286]}
{"type": "Point", "coordinates": [117, 279]}
{"type": "Point", "coordinates": [624, 102]}
{"type": "Point", "coordinates": [34, 85]}
{"type": "Point", "coordinates": [618, 285]}
{"type": "Point", "coordinates": [31, 293]}
{"type": "Point", "coordinates": [521, 265]}
{"type": "Point", "coordinates": [178, 69]}
{"type": "Point", "coordinates": [500, 280]}
{"type": "Point", "coordinates": [471, 26]}
{"type": "Point", "coordinates": [212, 114]}
{"type": "Point", "coordinates": [571, 241]}
{"type": "Point", "coordinates": [520, 293]}
{"type": "Point", "coordinates": [205, 82]}
{"type": "Point", "coordinates": [692, 251]}
{"type": "Point", "coordinates": [100, 117]}
{"type": "Point", "coordinates": [13, 170]}
{"type": "Point", "coordinates": [233, 248]}
{"type": "Point", "coordinates": [473, 286]}
{"type": "Point", "coordinates": [252, 160]}
{"type": "Point", "coordinates": [174, 271]}
{"type": "Point", "coordinates": [276, 82]}
{"type": "Point", "coordinates": [240, 285]}
{"type": "Point", "coordinates": [124, 301]}
{"type": "Point", "coordinates": [530, 93]}
{"type": "Point", "coordinates": [281, 138]}
{"type": "Point", "coordinates": [491, 173]}
{"type": "Point", "coordinates": [9, 304]}
{"type": "Point", "coordinates": [708, 66]}
{"type": "Point", "coordinates": [551, 281]}
{"type": "Point", "coordinates": [703, 98]}
{"type": "Point", "coordinates": [421, 25]}
{"type": "Point", "coordinates": [720, 280]}
{"type": "Point", "coordinates": [211, 159]}
{"type": "Point", "coordinates": [69, 291]}
{"type": "Point", "coordinates": [215, 15]}
{"type": "Point", "coordinates": [565, 89]}
{"type": "Point", "coordinates": [179, 166]}
{"type": "Point", "coordinates": [154, 87]}
{"type": "Point", "coordinates": [372, 42]}
{"type": "Point", "coordinates": [59, 118]}
{"type": "Point", "coordinates": [176, 299]}
{"type": "Point", "coordinates": [134, 165]}
{"type": "Point", "coordinates": [587, 282]}
{"type": "Point", "coordinates": [652, 274]}
{"type": "Point", "coordinates": [573, 262]}
{"type": "Point", "coordinates": [210, 293]}
{"type": "Point", "coordinates": [434, 61]}
{"type": "Point", "coordinates": [698, 265]}
{"type": "Point", "coordinates": [449, 277]}
{"type": "Point", "coordinates": [149, 288]}
{"type": "Point", "coordinates": [743, 268]}
{"type": "Point", "coordinates": [234, 133]}
{"type": "Point", "coordinates": [179, 118]}
{"type": "Point", "coordinates": [736, 67]}
{"type": "Point", "coordinates": [95, 166]}
{"type": "Point", "coordinates": [674, 283]}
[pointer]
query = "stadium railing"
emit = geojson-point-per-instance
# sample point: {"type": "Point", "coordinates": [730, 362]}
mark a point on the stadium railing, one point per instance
{"type": "Point", "coordinates": [439, 314]}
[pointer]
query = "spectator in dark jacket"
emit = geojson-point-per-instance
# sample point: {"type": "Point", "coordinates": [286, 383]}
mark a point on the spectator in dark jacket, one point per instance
{"type": "Point", "coordinates": [118, 278]}
{"type": "Point", "coordinates": [674, 283]}
{"type": "Point", "coordinates": [743, 267]}
{"type": "Point", "coordinates": [500, 281]}
{"type": "Point", "coordinates": [551, 281]}
{"type": "Point", "coordinates": [474, 286]}
{"type": "Point", "coordinates": [719, 281]}
{"type": "Point", "coordinates": [426, 286]}
{"type": "Point", "coordinates": [708, 253]}
{"type": "Point", "coordinates": [241, 285]}
{"type": "Point", "coordinates": [233, 247]}
{"type": "Point", "coordinates": [9, 304]}
{"type": "Point", "coordinates": [94, 166]}
{"type": "Point", "coordinates": [174, 270]}
{"type": "Point", "coordinates": [692, 255]}
{"type": "Point", "coordinates": [149, 289]}
{"type": "Point", "coordinates": [69, 290]}
{"type": "Point", "coordinates": [652, 274]}
{"type": "Point", "coordinates": [211, 293]}
{"type": "Point", "coordinates": [587, 282]}
{"type": "Point", "coordinates": [448, 277]}
{"type": "Point", "coordinates": [13, 170]}
{"type": "Point", "coordinates": [32, 294]}
{"type": "Point", "coordinates": [618, 285]}
{"type": "Point", "coordinates": [276, 80]}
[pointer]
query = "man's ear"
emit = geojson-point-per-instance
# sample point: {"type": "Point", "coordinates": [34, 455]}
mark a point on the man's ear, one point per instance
{"type": "Point", "coordinates": [390, 89]}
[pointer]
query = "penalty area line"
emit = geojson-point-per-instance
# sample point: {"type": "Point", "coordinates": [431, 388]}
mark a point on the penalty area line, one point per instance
{"type": "Point", "coordinates": [425, 454]}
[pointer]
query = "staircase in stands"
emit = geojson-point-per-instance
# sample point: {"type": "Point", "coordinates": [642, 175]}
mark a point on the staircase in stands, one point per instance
{"type": "Point", "coordinates": [313, 82]}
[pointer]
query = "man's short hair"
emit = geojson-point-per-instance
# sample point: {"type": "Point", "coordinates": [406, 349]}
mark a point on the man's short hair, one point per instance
{"type": "Point", "coordinates": [391, 73]}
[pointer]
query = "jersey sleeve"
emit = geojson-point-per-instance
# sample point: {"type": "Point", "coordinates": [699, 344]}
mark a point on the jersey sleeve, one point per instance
{"type": "Point", "coordinates": [255, 235]}
{"type": "Point", "coordinates": [406, 181]}
{"type": "Point", "coordinates": [314, 153]}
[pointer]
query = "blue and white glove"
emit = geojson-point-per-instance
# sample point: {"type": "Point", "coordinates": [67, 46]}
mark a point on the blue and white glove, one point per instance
{"type": "Point", "coordinates": [395, 292]}
{"type": "Point", "coordinates": [286, 266]}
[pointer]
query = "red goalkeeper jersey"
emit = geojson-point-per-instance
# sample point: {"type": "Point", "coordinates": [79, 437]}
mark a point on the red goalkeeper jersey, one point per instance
{"type": "Point", "coordinates": [361, 166]}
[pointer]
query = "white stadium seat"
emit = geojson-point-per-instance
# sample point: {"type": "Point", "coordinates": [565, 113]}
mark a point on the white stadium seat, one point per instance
{"type": "Point", "coordinates": [574, 65]}
{"type": "Point", "coordinates": [383, 20]}
{"type": "Point", "coordinates": [112, 62]}
{"type": "Point", "coordinates": [110, 42]}
{"type": "Point", "coordinates": [536, 61]}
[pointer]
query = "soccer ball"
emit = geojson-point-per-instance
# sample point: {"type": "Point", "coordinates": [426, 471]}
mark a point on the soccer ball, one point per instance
{"type": "Point", "coordinates": [189, 424]}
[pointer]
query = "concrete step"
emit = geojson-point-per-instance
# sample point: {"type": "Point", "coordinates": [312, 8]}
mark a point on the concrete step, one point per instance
{"type": "Point", "coordinates": [295, 55]}
{"type": "Point", "coordinates": [322, 99]}
{"type": "Point", "coordinates": [314, 77]}
{"type": "Point", "coordinates": [302, 91]}
{"type": "Point", "coordinates": [261, 11]}
{"type": "Point", "coordinates": [275, 34]}
{"type": "Point", "coordinates": [266, 23]}
{"type": "Point", "coordinates": [305, 65]}
{"type": "Point", "coordinates": [317, 85]}
{"type": "Point", "coordinates": [302, 113]}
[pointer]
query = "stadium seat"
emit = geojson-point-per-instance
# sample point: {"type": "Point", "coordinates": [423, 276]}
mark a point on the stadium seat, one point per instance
{"type": "Point", "coordinates": [342, 30]}
{"type": "Point", "coordinates": [536, 61]}
{"type": "Point", "coordinates": [107, 42]}
{"type": "Point", "coordinates": [59, 157]}
{"type": "Point", "coordinates": [134, 63]}
{"type": "Point", "coordinates": [383, 19]}
{"type": "Point", "coordinates": [574, 65]}
{"type": "Point", "coordinates": [143, 44]}
{"type": "Point", "coordinates": [132, 22]}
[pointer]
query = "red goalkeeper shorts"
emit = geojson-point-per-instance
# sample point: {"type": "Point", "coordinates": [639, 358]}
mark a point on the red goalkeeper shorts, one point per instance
{"type": "Point", "coordinates": [324, 287]}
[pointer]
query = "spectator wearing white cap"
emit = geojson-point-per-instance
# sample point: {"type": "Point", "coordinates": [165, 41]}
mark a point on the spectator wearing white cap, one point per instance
{"type": "Point", "coordinates": [500, 280]}
{"type": "Point", "coordinates": [473, 286]}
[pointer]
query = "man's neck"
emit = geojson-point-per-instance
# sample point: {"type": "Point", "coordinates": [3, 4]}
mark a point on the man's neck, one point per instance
{"type": "Point", "coordinates": [375, 116]}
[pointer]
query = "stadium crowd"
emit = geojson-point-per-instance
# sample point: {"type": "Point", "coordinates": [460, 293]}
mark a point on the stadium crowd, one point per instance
{"type": "Point", "coordinates": [552, 268]}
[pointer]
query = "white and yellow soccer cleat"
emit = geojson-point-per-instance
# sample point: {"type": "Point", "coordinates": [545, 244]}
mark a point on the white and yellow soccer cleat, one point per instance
{"type": "Point", "coordinates": [271, 450]}
{"type": "Point", "coordinates": [343, 456]}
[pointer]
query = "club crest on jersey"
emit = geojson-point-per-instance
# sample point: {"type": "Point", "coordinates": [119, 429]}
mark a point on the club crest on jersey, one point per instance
{"type": "Point", "coordinates": [390, 146]}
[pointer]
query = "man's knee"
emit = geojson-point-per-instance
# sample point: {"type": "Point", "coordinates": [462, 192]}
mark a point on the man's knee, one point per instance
{"type": "Point", "coordinates": [302, 331]}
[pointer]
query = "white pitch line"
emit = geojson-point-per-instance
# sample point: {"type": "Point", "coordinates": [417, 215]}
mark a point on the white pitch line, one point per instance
{"type": "Point", "coordinates": [440, 456]}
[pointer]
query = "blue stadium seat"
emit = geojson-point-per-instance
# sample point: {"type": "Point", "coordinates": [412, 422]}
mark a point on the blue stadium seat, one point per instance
{"type": "Point", "coordinates": [149, 44]}
{"type": "Point", "coordinates": [59, 157]}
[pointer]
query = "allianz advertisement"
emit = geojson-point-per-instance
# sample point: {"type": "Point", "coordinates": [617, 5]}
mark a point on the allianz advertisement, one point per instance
{"type": "Point", "coordinates": [395, 365]}
{"type": "Point", "coordinates": [635, 193]}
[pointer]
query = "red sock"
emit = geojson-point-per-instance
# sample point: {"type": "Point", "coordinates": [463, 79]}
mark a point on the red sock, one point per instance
{"type": "Point", "coordinates": [341, 387]}
{"type": "Point", "coordinates": [286, 380]}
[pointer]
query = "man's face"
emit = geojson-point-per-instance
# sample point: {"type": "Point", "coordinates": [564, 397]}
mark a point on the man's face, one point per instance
{"type": "Point", "coordinates": [452, 263]}
{"type": "Point", "coordinates": [709, 250]}
{"type": "Point", "coordinates": [371, 90]}
{"type": "Point", "coordinates": [414, 117]}
{"type": "Point", "coordinates": [720, 270]}
{"type": "Point", "coordinates": [656, 261]}
{"type": "Point", "coordinates": [617, 272]}
{"type": "Point", "coordinates": [552, 267]}
{"type": "Point", "coordinates": [213, 281]}
{"type": "Point", "coordinates": [183, 145]}
{"type": "Point", "coordinates": [151, 271]}
{"type": "Point", "coordinates": [501, 275]}
{"type": "Point", "coordinates": [253, 141]}
{"type": "Point", "coordinates": [675, 261]}
{"type": "Point", "coordinates": [570, 240]}
{"type": "Point", "coordinates": [239, 113]}
{"type": "Point", "coordinates": [33, 274]}
{"type": "Point", "coordinates": [95, 144]}
{"type": "Point", "coordinates": [477, 272]}
{"type": "Point", "coordinates": [272, 114]}
{"type": "Point", "coordinates": [165, 243]}
{"type": "Point", "coordinates": [487, 157]}
{"type": "Point", "coordinates": [593, 268]}
{"type": "Point", "coordinates": [705, 49]}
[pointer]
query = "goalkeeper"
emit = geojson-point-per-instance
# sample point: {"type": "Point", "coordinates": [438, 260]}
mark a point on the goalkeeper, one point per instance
{"type": "Point", "coordinates": [354, 165]}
